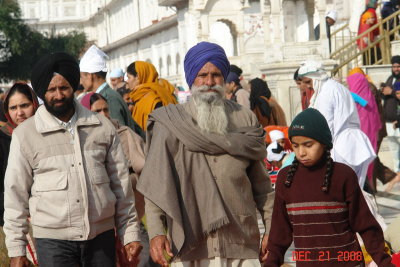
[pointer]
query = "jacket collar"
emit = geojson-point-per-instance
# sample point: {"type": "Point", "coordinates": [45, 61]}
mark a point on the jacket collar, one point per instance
{"type": "Point", "coordinates": [46, 123]}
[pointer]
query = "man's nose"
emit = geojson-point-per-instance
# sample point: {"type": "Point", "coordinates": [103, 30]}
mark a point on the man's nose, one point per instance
{"type": "Point", "coordinates": [210, 80]}
{"type": "Point", "coordinates": [59, 94]}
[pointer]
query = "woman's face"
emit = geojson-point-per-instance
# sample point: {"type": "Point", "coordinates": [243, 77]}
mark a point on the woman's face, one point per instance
{"type": "Point", "coordinates": [370, 21]}
{"type": "Point", "coordinates": [308, 151]}
{"type": "Point", "coordinates": [101, 107]}
{"type": "Point", "coordinates": [20, 108]}
{"type": "Point", "coordinates": [132, 81]}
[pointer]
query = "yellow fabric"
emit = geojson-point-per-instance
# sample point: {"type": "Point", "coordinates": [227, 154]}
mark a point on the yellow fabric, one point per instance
{"type": "Point", "coordinates": [149, 93]}
{"type": "Point", "coordinates": [359, 70]}
{"type": "Point", "coordinates": [367, 15]}
{"type": "Point", "coordinates": [367, 256]}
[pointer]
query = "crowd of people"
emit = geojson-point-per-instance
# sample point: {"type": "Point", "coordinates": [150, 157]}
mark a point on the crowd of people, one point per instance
{"type": "Point", "coordinates": [123, 175]}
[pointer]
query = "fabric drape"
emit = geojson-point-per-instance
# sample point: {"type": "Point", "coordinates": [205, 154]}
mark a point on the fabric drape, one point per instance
{"type": "Point", "coordinates": [149, 93]}
{"type": "Point", "coordinates": [198, 209]}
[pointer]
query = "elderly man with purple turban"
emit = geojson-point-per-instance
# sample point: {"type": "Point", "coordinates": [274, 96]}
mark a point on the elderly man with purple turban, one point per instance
{"type": "Point", "coordinates": [204, 176]}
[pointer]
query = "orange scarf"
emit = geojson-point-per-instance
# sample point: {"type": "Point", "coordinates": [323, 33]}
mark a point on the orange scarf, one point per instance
{"type": "Point", "coordinates": [149, 93]}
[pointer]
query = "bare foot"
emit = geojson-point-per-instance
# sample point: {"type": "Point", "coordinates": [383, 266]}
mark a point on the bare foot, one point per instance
{"type": "Point", "coordinates": [393, 182]}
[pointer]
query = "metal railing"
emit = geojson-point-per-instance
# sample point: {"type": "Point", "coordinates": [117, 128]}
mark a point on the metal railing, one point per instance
{"type": "Point", "coordinates": [374, 52]}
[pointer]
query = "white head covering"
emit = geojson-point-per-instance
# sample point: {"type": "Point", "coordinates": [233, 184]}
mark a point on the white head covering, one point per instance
{"type": "Point", "coordinates": [276, 135]}
{"type": "Point", "coordinates": [272, 156]}
{"type": "Point", "coordinates": [94, 60]}
{"type": "Point", "coordinates": [315, 71]}
{"type": "Point", "coordinates": [332, 14]}
{"type": "Point", "coordinates": [116, 73]}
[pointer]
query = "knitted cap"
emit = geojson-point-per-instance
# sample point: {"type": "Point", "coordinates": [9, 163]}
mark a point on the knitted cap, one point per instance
{"type": "Point", "coordinates": [311, 123]}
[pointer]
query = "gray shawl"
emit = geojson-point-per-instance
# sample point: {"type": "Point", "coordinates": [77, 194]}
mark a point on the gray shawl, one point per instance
{"type": "Point", "coordinates": [176, 176]}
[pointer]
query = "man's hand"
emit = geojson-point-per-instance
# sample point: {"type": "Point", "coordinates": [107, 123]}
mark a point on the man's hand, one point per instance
{"type": "Point", "coordinates": [263, 249]}
{"type": "Point", "coordinates": [387, 90]}
{"type": "Point", "coordinates": [21, 261]}
{"type": "Point", "coordinates": [132, 251]}
{"type": "Point", "coordinates": [157, 246]}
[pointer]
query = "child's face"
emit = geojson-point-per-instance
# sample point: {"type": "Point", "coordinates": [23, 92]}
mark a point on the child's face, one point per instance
{"type": "Point", "coordinates": [398, 95]}
{"type": "Point", "coordinates": [308, 151]}
{"type": "Point", "coordinates": [281, 142]}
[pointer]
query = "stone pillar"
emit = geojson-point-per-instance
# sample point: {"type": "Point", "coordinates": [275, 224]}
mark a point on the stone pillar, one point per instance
{"type": "Point", "coordinates": [324, 48]}
{"type": "Point", "coordinates": [266, 11]}
{"type": "Point", "coordinates": [289, 20]}
{"type": "Point", "coordinates": [275, 18]}
{"type": "Point", "coordinates": [310, 7]}
{"type": "Point", "coordinates": [321, 7]}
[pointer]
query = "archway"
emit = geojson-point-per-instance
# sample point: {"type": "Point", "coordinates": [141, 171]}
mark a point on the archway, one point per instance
{"type": "Point", "coordinates": [223, 32]}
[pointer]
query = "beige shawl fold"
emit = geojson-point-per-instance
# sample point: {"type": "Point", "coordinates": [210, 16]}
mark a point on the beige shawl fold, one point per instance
{"type": "Point", "coordinates": [177, 178]}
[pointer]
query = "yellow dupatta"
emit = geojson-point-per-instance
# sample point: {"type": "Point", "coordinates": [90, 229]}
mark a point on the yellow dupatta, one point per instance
{"type": "Point", "coordinates": [149, 93]}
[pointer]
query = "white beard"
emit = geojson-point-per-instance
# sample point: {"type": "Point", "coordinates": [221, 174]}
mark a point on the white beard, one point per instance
{"type": "Point", "coordinates": [211, 114]}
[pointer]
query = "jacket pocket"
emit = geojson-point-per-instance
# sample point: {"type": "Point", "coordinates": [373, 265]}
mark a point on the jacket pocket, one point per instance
{"type": "Point", "coordinates": [243, 230]}
{"type": "Point", "coordinates": [49, 205]}
{"type": "Point", "coordinates": [101, 198]}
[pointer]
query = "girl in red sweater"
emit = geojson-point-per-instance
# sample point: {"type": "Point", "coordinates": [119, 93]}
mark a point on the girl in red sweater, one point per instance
{"type": "Point", "coordinates": [319, 205]}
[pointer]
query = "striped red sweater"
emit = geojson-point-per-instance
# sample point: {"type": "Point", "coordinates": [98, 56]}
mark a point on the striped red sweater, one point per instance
{"type": "Point", "coordinates": [322, 225]}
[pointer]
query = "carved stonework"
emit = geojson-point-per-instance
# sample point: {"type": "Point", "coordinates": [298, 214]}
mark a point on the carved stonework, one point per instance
{"type": "Point", "coordinates": [253, 26]}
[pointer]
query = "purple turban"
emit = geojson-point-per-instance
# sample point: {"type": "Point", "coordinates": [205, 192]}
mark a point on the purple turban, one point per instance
{"type": "Point", "coordinates": [199, 55]}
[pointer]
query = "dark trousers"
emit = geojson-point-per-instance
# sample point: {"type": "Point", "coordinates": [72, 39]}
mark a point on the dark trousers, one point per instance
{"type": "Point", "coordinates": [98, 252]}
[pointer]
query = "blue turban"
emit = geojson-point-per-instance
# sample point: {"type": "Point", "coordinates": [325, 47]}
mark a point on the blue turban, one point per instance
{"type": "Point", "coordinates": [199, 55]}
{"type": "Point", "coordinates": [233, 77]}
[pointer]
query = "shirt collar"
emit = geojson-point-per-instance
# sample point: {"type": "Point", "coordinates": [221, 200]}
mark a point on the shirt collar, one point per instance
{"type": "Point", "coordinates": [101, 87]}
{"type": "Point", "coordinates": [67, 124]}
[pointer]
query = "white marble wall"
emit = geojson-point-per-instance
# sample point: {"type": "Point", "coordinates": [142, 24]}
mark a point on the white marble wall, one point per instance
{"type": "Point", "coordinates": [267, 37]}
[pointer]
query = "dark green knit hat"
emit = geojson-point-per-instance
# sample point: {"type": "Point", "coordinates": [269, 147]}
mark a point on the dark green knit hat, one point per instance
{"type": "Point", "coordinates": [311, 123]}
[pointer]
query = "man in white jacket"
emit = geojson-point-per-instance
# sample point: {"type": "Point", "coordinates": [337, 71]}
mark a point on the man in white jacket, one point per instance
{"type": "Point", "coordinates": [350, 145]}
{"type": "Point", "coordinates": [67, 171]}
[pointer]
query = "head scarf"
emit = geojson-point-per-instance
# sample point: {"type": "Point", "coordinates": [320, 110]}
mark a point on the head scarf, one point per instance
{"type": "Point", "coordinates": [10, 125]}
{"type": "Point", "coordinates": [94, 60]}
{"type": "Point", "coordinates": [259, 95]}
{"type": "Point", "coordinates": [371, 3]}
{"type": "Point", "coordinates": [367, 15]}
{"type": "Point", "coordinates": [85, 101]}
{"type": "Point", "coordinates": [359, 70]}
{"type": "Point", "coordinates": [276, 135]}
{"type": "Point", "coordinates": [199, 55]}
{"type": "Point", "coordinates": [315, 71]}
{"type": "Point", "coordinates": [60, 63]}
{"type": "Point", "coordinates": [370, 121]}
{"type": "Point", "coordinates": [332, 14]}
{"type": "Point", "coordinates": [149, 92]}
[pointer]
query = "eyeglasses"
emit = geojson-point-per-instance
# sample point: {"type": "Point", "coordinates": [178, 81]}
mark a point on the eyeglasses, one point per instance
{"type": "Point", "coordinates": [130, 103]}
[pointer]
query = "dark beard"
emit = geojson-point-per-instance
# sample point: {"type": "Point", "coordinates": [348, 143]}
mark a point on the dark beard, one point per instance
{"type": "Point", "coordinates": [59, 111]}
{"type": "Point", "coordinates": [396, 76]}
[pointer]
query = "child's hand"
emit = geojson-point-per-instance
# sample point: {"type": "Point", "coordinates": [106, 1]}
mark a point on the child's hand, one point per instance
{"type": "Point", "coordinates": [263, 249]}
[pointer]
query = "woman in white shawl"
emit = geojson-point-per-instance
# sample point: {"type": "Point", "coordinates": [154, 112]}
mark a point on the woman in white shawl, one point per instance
{"type": "Point", "coordinates": [350, 145]}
